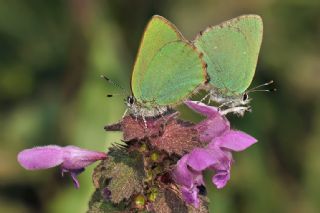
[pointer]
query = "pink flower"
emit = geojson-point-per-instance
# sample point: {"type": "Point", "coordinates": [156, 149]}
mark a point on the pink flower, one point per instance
{"type": "Point", "coordinates": [220, 141]}
{"type": "Point", "coordinates": [72, 159]}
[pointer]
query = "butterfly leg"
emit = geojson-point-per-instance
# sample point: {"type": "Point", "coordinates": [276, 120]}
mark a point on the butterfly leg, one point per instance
{"type": "Point", "coordinates": [209, 101]}
{"type": "Point", "coordinates": [238, 110]}
{"type": "Point", "coordinates": [161, 112]}
{"type": "Point", "coordinates": [224, 104]}
{"type": "Point", "coordinates": [135, 114]}
{"type": "Point", "coordinates": [205, 97]}
{"type": "Point", "coordinates": [144, 121]}
{"type": "Point", "coordinates": [125, 113]}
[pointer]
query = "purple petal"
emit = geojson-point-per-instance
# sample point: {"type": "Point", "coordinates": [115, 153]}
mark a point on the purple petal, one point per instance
{"type": "Point", "coordinates": [215, 159]}
{"type": "Point", "coordinates": [221, 178]}
{"type": "Point", "coordinates": [75, 179]}
{"type": "Point", "coordinates": [215, 124]}
{"type": "Point", "coordinates": [72, 159]}
{"type": "Point", "coordinates": [182, 175]}
{"type": "Point", "coordinates": [212, 127]}
{"type": "Point", "coordinates": [200, 158]}
{"type": "Point", "coordinates": [235, 140]}
{"type": "Point", "coordinates": [222, 171]}
{"type": "Point", "coordinates": [190, 196]}
{"type": "Point", "coordinates": [41, 157]}
{"type": "Point", "coordinates": [76, 158]}
{"type": "Point", "coordinates": [203, 109]}
{"type": "Point", "coordinates": [73, 174]}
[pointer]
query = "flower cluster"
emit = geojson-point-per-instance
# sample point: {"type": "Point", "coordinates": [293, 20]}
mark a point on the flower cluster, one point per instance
{"type": "Point", "coordinates": [168, 152]}
{"type": "Point", "coordinates": [219, 140]}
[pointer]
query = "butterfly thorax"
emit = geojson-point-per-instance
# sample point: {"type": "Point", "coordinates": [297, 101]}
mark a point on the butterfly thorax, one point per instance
{"type": "Point", "coordinates": [148, 109]}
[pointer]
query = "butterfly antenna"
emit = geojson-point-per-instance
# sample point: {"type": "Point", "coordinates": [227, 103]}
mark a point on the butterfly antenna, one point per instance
{"type": "Point", "coordinates": [255, 89]}
{"type": "Point", "coordinates": [112, 95]}
{"type": "Point", "coordinates": [123, 91]}
{"type": "Point", "coordinates": [264, 90]}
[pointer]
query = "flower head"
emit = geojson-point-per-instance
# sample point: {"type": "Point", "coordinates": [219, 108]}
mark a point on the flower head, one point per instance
{"type": "Point", "coordinates": [220, 140]}
{"type": "Point", "coordinates": [72, 159]}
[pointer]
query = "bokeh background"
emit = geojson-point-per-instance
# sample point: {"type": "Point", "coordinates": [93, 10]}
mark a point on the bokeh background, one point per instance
{"type": "Point", "coordinates": [52, 54]}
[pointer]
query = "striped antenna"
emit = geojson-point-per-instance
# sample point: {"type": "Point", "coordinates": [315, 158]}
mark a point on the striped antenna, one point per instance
{"type": "Point", "coordinates": [255, 89]}
{"type": "Point", "coordinates": [123, 91]}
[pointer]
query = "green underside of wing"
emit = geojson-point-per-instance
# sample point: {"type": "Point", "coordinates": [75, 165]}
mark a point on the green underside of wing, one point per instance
{"type": "Point", "coordinates": [172, 75]}
{"type": "Point", "coordinates": [158, 32]}
{"type": "Point", "coordinates": [231, 51]}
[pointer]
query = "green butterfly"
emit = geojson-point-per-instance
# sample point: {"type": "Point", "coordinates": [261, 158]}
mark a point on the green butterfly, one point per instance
{"type": "Point", "coordinates": [167, 70]}
{"type": "Point", "coordinates": [231, 51]}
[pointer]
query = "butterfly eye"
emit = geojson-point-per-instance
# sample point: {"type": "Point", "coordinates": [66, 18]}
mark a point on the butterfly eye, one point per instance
{"type": "Point", "coordinates": [130, 100]}
{"type": "Point", "coordinates": [244, 97]}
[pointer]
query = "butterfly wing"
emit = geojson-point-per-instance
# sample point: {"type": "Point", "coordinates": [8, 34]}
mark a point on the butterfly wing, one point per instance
{"type": "Point", "coordinates": [157, 33]}
{"type": "Point", "coordinates": [231, 51]}
{"type": "Point", "coordinates": [173, 74]}
{"type": "Point", "coordinates": [167, 68]}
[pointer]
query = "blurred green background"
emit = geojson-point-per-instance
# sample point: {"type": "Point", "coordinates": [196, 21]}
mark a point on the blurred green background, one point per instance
{"type": "Point", "coordinates": [53, 52]}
